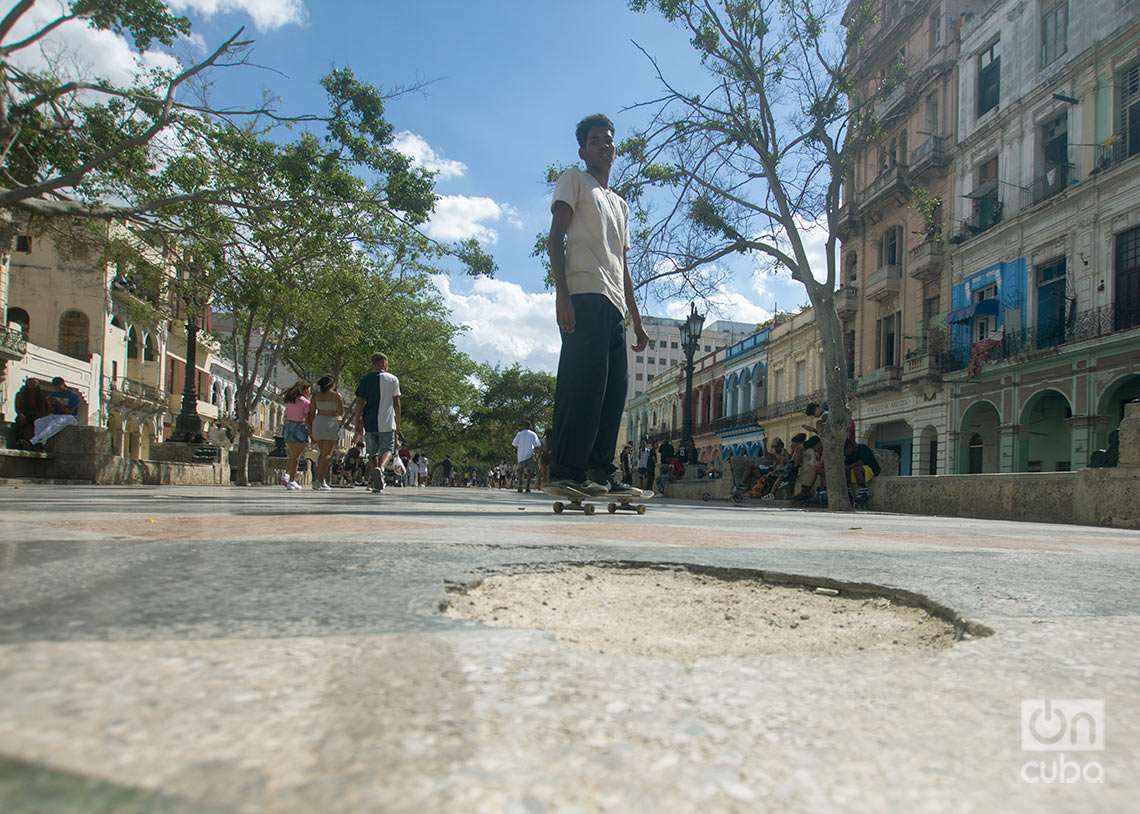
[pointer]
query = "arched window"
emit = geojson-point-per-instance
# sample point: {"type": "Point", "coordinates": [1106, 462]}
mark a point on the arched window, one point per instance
{"type": "Point", "coordinates": [21, 318]}
{"type": "Point", "coordinates": [132, 343]}
{"type": "Point", "coordinates": [73, 334]}
{"type": "Point", "coordinates": [148, 349]}
{"type": "Point", "coordinates": [215, 394]}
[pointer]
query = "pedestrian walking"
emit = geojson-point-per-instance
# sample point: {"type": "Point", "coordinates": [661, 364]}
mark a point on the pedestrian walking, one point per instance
{"type": "Point", "coordinates": [376, 415]}
{"type": "Point", "coordinates": [627, 463]}
{"type": "Point", "coordinates": [650, 465]}
{"type": "Point", "coordinates": [526, 445]}
{"type": "Point", "coordinates": [593, 290]}
{"type": "Point", "coordinates": [296, 431]}
{"type": "Point", "coordinates": [324, 427]}
{"type": "Point", "coordinates": [425, 470]}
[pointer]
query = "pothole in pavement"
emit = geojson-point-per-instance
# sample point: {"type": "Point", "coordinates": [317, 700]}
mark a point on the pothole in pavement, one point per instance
{"type": "Point", "coordinates": [686, 612]}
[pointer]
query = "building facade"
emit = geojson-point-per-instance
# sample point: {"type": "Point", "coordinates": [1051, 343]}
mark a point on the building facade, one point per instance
{"type": "Point", "coordinates": [1045, 298]}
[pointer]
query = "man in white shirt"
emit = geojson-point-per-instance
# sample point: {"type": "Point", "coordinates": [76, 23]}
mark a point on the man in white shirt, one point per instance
{"type": "Point", "coordinates": [593, 290]}
{"type": "Point", "coordinates": [376, 413]}
{"type": "Point", "coordinates": [526, 446]}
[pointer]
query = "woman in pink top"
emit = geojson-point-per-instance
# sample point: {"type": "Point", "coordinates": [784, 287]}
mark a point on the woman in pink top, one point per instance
{"type": "Point", "coordinates": [295, 432]}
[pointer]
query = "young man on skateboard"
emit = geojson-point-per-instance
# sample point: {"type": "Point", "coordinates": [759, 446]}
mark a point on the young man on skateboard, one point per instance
{"type": "Point", "coordinates": [593, 291]}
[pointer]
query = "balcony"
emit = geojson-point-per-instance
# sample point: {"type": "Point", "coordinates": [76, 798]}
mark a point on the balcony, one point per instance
{"type": "Point", "coordinates": [135, 395]}
{"type": "Point", "coordinates": [925, 365]}
{"type": "Point", "coordinates": [884, 378]}
{"type": "Point", "coordinates": [884, 283]}
{"type": "Point", "coordinates": [979, 223]}
{"type": "Point", "coordinates": [1114, 153]}
{"type": "Point", "coordinates": [1053, 181]}
{"type": "Point", "coordinates": [889, 103]}
{"type": "Point", "coordinates": [13, 345]}
{"type": "Point", "coordinates": [847, 219]}
{"type": "Point", "coordinates": [847, 301]}
{"type": "Point", "coordinates": [796, 405]}
{"type": "Point", "coordinates": [890, 182]}
{"type": "Point", "coordinates": [929, 157]}
{"type": "Point", "coordinates": [926, 260]}
{"type": "Point", "coordinates": [734, 422]}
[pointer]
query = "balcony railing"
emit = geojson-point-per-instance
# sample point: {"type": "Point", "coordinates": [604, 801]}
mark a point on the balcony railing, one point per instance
{"type": "Point", "coordinates": [978, 224]}
{"type": "Point", "coordinates": [886, 105]}
{"type": "Point", "coordinates": [1108, 155]}
{"type": "Point", "coordinates": [1046, 336]}
{"type": "Point", "coordinates": [884, 282]}
{"type": "Point", "coordinates": [931, 154]}
{"type": "Point", "coordinates": [847, 300]}
{"type": "Point", "coordinates": [130, 388]}
{"type": "Point", "coordinates": [1054, 180]}
{"type": "Point", "coordinates": [13, 344]}
{"type": "Point", "coordinates": [733, 422]}
{"type": "Point", "coordinates": [796, 405]}
{"type": "Point", "coordinates": [888, 181]}
{"type": "Point", "coordinates": [925, 260]}
{"type": "Point", "coordinates": [880, 378]}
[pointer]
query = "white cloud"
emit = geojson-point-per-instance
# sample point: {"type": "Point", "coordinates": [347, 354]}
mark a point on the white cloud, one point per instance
{"type": "Point", "coordinates": [505, 323]}
{"type": "Point", "coordinates": [266, 14]}
{"type": "Point", "coordinates": [459, 217]}
{"type": "Point", "coordinates": [424, 155]}
{"type": "Point", "coordinates": [724, 304]}
{"type": "Point", "coordinates": [814, 237]}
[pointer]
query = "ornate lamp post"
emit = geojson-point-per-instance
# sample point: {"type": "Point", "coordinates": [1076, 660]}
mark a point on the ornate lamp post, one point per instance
{"type": "Point", "coordinates": [188, 424]}
{"type": "Point", "coordinates": [690, 339]}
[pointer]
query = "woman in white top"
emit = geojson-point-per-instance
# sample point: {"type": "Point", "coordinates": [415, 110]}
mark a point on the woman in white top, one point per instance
{"type": "Point", "coordinates": [324, 427]}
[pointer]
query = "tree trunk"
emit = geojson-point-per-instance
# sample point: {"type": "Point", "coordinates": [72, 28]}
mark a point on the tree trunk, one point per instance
{"type": "Point", "coordinates": [241, 477]}
{"type": "Point", "coordinates": [834, 431]}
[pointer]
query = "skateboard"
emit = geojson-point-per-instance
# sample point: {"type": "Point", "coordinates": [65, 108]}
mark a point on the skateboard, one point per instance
{"type": "Point", "coordinates": [577, 500]}
{"type": "Point", "coordinates": [624, 503]}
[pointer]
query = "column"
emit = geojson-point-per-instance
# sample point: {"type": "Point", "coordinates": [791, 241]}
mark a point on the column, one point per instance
{"type": "Point", "coordinates": [953, 451]}
{"type": "Point", "coordinates": [1083, 438]}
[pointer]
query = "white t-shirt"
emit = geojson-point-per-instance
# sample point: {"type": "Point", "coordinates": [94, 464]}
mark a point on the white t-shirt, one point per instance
{"type": "Point", "coordinates": [525, 442]}
{"type": "Point", "coordinates": [597, 239]}
{"type": "Point", "coordinates": [384, 387]}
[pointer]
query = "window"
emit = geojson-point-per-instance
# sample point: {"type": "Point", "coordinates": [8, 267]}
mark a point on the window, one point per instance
{"type": "Point", "coordinates": [935, 31]}
{"type": "Point", "coordinates": [779, 385]}
{"type": "Point", "coordinates": [1128, 113]}
{"type": "Point", "coordinates": [801, 378]}
{"type": "Point", "coordinates": [985, 325]}
{"type": "Point", "coordinates": [148, 349]}
{"type": "Point", "coordinates": [649, 378]}
{"type": "Point", "coordinates": [987, 207]}
{"type": "Point", "coordinates": [24, 244]}
{"type": "Point", "coordinates": [639, 359]}
{"type": "Point", "coordinates": [638, 377]}
{"type": "Point", "coordinates": [73, 339]}
{"type": "Point", "coordinates": [1051, 304]}
{"type": "Point", "coordinates": [889, 247]}
{"type": "Point", "coordinates": [673, 345]}
{"type": "Point", "coordinates": [852, 267]}
{"type": "Point", "coordinates": [989, 78]}
{"type": "Point", "coordinates": [21, 318]}
{"type": "Point", "coordinates": [1054, 31]}
{"type": "Point", "coordinates": [932, 114]}
{"type": "Point", "coordinates": [886, 338]}
{"type": "Point", "coordinates": [132, 343]}
{"type": "Point", "coordinates": [930, 307]}
{"type": "Point", "coordinates": [652, 343]}
{"type": "Point", "coordinates": [708, 348]}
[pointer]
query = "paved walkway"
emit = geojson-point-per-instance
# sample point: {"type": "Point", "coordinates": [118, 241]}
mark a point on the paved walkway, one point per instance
{"type": "Point", "coordinates": [187, 649]}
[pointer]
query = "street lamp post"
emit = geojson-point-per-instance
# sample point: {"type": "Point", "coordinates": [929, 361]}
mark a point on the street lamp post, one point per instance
{"type": "Point", "coordinates": [188, 424]}
{"type": "Point", "coordinates": [690, 339]}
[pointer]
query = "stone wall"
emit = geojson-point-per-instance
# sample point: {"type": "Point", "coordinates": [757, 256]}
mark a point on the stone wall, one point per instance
{"type": "Point", "coordinates": [1093, 497]}
{"type": "Point", "coordinates": [85, 454]}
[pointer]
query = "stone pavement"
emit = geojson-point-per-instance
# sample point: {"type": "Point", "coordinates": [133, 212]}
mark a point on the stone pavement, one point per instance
{"type": "Point", "coordinates": [182, 649]}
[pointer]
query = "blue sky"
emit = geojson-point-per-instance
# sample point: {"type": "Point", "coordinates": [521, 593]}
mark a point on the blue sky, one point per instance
{"type": "Point", "coordinates": [509, 79]}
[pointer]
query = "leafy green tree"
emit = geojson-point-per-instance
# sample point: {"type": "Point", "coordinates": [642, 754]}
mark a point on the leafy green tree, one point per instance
{"type": "Point", "coordinates": [744, 166]}
{"type": "Point", "coordinates": [508, 399]}
{"type": "Point", "coordinates": [76, 134]}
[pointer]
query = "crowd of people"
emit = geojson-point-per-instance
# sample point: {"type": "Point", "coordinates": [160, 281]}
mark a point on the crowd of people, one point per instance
{"type": "Point", "coordinates": [797, 470]}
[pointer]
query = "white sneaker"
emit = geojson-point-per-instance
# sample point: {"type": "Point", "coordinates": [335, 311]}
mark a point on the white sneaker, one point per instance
{"type": "Point", "coordinates": [293, 485]}
{"type": "Point", "coordinates": [325, 486]}
{"type": "Point", "coordinates": [285, 479]}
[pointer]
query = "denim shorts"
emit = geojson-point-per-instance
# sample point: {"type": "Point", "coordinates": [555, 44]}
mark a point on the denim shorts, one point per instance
{"type": "Point", "coordinates": [295, 432]}
{"type": "Point", "coordinates": [377, 443]}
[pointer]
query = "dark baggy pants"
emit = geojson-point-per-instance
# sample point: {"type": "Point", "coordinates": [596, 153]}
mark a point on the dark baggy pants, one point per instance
{"type": "Point", "coordinates": [590, 392]}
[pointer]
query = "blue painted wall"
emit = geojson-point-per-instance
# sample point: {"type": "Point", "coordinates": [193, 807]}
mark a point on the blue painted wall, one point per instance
{"type": "Point", "coordinates": [1011, 279]}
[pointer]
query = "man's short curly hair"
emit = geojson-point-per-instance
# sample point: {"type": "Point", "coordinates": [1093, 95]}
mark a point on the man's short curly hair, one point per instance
{"type": "Point", "coordinates": [589, 123]}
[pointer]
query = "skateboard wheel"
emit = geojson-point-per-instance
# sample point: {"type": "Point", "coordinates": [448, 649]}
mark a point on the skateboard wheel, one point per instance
{"type": "Point", "coordinates": [558, 507]}
{"type": "Point", "coordinates": [641, 510]}
{"type": "Point", "coordinates": [588, 508]}
{"type": "Point", "coordinates": [612, 508]}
